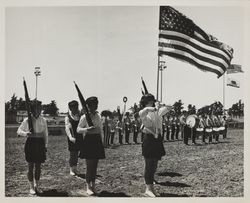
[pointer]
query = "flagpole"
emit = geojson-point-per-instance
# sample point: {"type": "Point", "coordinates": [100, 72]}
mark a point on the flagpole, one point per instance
{"type": "Point", "coordinates": [224, 93]}
{"type": "Point", "coordinates": [157, 91]}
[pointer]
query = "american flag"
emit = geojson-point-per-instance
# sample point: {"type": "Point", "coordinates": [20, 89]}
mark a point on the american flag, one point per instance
{"type": "Point", "coordinates": [182, 39]}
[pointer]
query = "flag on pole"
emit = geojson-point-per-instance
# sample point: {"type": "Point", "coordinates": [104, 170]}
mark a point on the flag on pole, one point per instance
{"type": "Point", "coordinates": [234, 68]}
{"type": "Point", "coordinates": [182, 39]}
{"type": "Point", "coordinates": [233, 83]}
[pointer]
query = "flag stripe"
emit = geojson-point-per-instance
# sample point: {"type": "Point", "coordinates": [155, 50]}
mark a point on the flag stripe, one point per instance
{"type": "Point", "coordinates": [194, 56]}
{"type": "Point", "coordinates": [195, 41]}
{"type": "Point", "coordinates": [208, 66]}
{"type": "Point", "coordinates": [197, 53]}
{"type": "Point", "coordinates": [181, 38]}
{"type": "Point", "coordinates": [192, 61]}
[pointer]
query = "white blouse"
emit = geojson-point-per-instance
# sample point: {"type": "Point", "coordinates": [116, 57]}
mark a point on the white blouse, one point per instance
{"type": "Point", "coordinates": [40, 128]}
{"type": "Point", "coordinates": [152, 119]}
{"type": "Point", "coordinates": [83, 125]}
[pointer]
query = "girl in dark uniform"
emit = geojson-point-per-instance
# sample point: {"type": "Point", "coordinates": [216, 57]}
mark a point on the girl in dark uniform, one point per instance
{"type": "Point", "coordinates": [152, 146]}
{"type": "Point", "coordinates": [92, 147]}
{"type": "Point", "coordinates": [36, 145]}
{"type": "Point", "coordinates": [74, 139]}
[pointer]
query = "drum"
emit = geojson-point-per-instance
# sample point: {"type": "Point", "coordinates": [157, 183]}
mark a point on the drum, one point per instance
{"type": "Point", "coordinates": [192, 121]}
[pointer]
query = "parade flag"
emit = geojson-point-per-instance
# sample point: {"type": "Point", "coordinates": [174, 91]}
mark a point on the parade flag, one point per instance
{"type": "Point", "coordinates": [181, 38]}
{"type": "Point", "coordinates": [234, 68]}
{"type": "Point", "coordinates": [233, 83]}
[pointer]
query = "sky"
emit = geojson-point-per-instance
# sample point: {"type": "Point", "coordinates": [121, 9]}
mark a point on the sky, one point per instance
{"type": "Point", "coordinates": [106, 50]}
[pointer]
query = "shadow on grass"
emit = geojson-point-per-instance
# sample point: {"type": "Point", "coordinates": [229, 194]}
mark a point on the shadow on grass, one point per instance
{"type": "Point", "coordinates": [83, 176]}
{"type": "Point", "coordinates": [170, 174]}
{"type": "Point", "coordinates": [172, 195]}
{"type": "Point", "coordinates": [173, 184]}
{"type": "Point", "coordinates": [112, 194]}
{"type": "Point", "coordinates": [53, 193]}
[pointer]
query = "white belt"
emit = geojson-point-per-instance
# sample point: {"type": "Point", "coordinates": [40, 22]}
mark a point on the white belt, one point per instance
{"type": "Point", "coordinates": [199, 129]}
{"type": "Point", "coordinates": [209, 130]}
{"type": "Point", "coordinates": [216, 129]}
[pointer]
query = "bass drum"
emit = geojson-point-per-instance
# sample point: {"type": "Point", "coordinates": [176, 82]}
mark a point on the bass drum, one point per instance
{"type": "Point", "coordinates": [192, 121]}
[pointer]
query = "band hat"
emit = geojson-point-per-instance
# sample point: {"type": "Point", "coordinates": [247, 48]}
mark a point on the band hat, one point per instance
{"type": "Point", "coordinates": [147, 98]}
{"type": "Point", "coordinates": [92, 101]}
{"type": "Point", "coordinates": [73, 103]}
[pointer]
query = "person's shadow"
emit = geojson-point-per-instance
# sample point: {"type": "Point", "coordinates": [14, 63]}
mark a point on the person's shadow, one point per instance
{"type": "Point", "coordinates": [170, 174]}
{"type": "Point", "coordinates": [172, 184]}
{"type": "Point", "coordinates": [111, 194]}
{"type": "Point", "coordinates": [83, 176]}
{"type": "Point", "coordinates": [53, 193]}
{"type": "Point", "coordinates": [173, 195]}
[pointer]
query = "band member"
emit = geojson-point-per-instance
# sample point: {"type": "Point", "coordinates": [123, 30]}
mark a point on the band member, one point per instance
{"type": "Point", "coordinates": [187, 131]}
{"type": "Point", "coordinates": [152, 146]}
{"type": "Point", "coordinates": [183, 123]}
{"type": "Point", "coordinates": [92, 147]}
{"type": "Point", "coordinates": [193, 130]}
{"type": "Point", "coordinates": [136, 128]}
{"type": "Point", "coordinates": [168, 128]}
{"type": "Point", "coordinates": [119, 128]}
{"type": "Point", "coordinates": [223, 130]}
{"type": "Point", "coordinates": [201, 128]}
{"type": "Point", "coordinates": [106, 130]}
{"type": "Point", "coordinates": [74, 138]}
{"type": "Point", "coordinates": [112, 130]}
{"type": "Point", "coordinates": [208, 128]}
{"type": "Point", "coordinates": [127, 127]}
{"type": "Point", "coordinates": [35, 145]}
{"type": "Point", "coordinates": [216, 127]}
{"type": "Point", "coordinates": [173, 127]}
{"type": "Point", "coordinates": [177, 129]}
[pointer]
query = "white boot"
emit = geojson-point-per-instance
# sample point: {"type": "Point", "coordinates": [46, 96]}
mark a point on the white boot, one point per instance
{"type": "Point", "coordinates": [150, 191]}
{"type": "Point", "coordinates": [32, 189]}
{"type": "Point", "coordinates": [37, 186]}
{"type": "Point", "coordinates": [71, 171]}
{"type": "Point", "coordinates": [89, 190]}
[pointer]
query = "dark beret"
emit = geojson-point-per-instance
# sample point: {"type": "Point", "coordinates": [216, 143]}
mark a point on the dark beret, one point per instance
{"type": "Point", "coordinates": [92, 101]}
{"type": "Point", "coordinates": [73, 103]}
{"type": "Point", "coordinates": [147, 98]}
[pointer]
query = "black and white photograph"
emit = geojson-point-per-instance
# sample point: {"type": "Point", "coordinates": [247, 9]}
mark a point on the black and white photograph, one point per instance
{"type": "Point", "coordinates": [143, 101]}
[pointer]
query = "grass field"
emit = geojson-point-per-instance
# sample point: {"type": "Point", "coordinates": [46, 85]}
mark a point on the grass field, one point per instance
{"type": "Point", "coordinates": [214, 170]}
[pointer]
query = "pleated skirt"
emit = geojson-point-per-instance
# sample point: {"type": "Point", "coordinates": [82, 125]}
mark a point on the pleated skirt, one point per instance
{"type": "Point", "coordinates": [152, 148]}
{"type": "Point", "coordinates": [34, 149]}
{"type": "Point", "coordinates": [92, 147]}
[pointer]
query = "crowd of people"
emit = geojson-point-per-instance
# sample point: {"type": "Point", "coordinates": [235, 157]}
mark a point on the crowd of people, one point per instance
{"type": "Point", "coordinates": [152, 125]}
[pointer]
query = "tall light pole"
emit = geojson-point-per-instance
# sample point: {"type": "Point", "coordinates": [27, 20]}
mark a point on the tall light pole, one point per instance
{"type": "Point", "coordinates": [161, 68]}
{"type": "Point", "coordinates": [37, 73]}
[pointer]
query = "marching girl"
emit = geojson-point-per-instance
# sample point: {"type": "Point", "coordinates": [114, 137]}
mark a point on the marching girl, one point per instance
{"type": "Point", "coordinates": [35, 145]}
{"type": "Point", "coordinates": [152, 146]}
{"type": "Point", "coordinates": [74, 139]}
{"type": "Point", "coordinates": [92, 147]}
